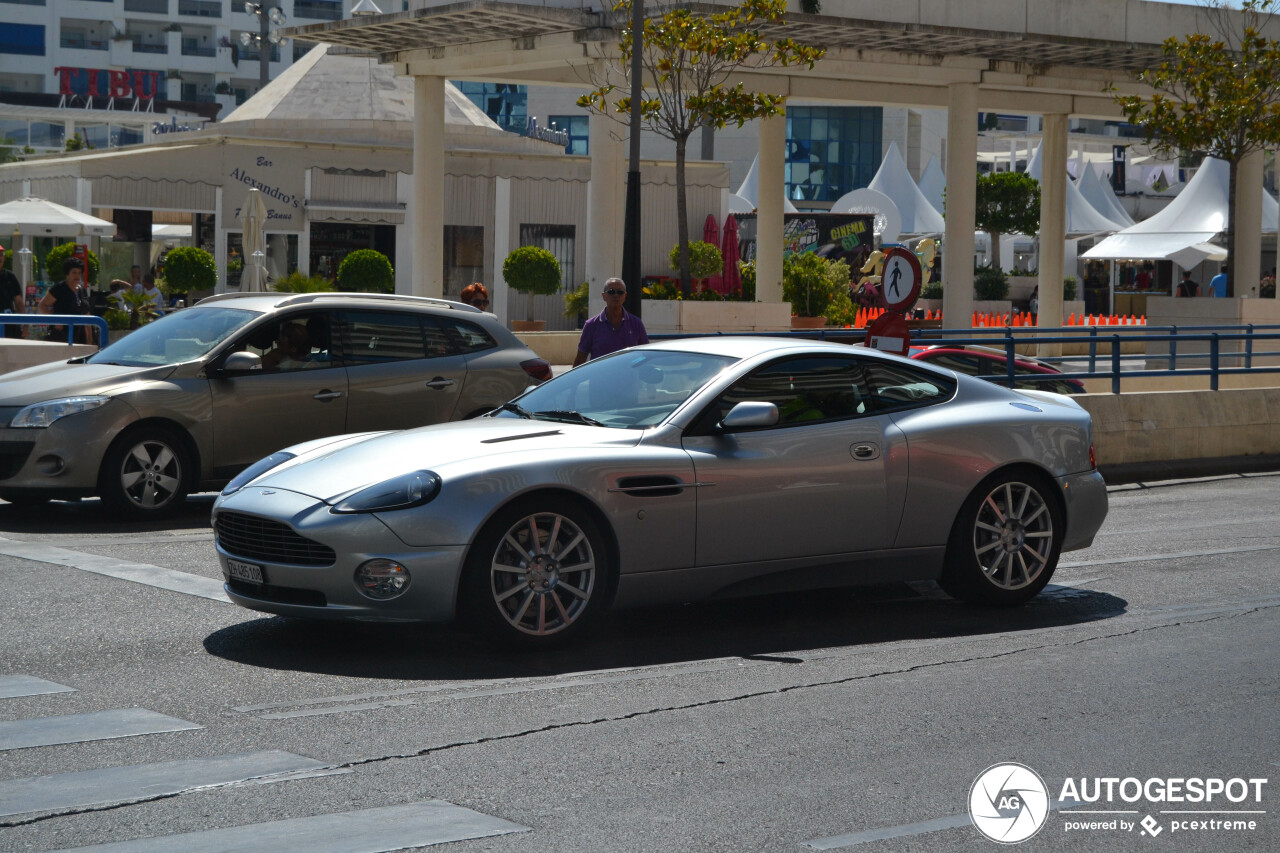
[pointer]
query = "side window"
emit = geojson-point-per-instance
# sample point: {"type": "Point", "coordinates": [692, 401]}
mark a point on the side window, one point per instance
{"type": "Point", "coordinates": [896, 386]}
{"type": "Point", "coordinates": [468, 337]}
{"type": "Point", "coordinates": [379, 337]}
{"type": "Point", "coordinates": [297, 341]}
{"type": "Point", "coordinates": [805, 390]}
{"type": "Point", "coordinates": [966, 364]}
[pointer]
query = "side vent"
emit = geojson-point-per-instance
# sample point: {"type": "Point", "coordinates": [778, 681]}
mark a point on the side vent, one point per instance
{"type": "Point", "coordinates": [651, 486]}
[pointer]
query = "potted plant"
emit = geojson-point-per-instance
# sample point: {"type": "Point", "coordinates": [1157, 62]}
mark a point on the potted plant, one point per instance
{"type": "Point", "coordinates": [530, 269]}
{"type": "Point", "coordinates": [368, 271]}
{"type": "Point", "coordinates": [189, 268]}
{"type": "Point", "coordinates": [577, 302]}
{"type": "Point", "coordinates": [705, 261]}
{"type": "Point", "coordinates": [808, 286]}
{"type": "Point", "coordinates": [58, 254]}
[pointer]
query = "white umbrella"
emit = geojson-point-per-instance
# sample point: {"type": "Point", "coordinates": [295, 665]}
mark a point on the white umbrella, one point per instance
{"type": "Point", "coordinates": [38, 217]}
{"type": "Point", "coordinates": [253, 242]}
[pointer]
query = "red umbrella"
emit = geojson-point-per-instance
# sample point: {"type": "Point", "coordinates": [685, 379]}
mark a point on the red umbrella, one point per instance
{"type": "Point", "coordinates": [731, 282]}
{"type": "Point", "coordinates": [711, 234]}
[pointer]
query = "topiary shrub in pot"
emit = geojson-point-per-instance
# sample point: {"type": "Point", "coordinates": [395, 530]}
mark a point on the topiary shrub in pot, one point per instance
{"type": "Point", "coordinates": [58, 254]}
{"type": "Point", "coordinates": [705, 260]}
{"type": "Point", "coordinates": [189, 268]}
{"type": "Point", "coordinates": [990, 285]}
{"type": "Point", "coordinates": [366, 271]}
{"type": "Point", "coordinates": [530, 270]}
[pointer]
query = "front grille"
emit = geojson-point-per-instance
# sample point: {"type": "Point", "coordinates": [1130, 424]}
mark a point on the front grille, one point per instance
{"type": "Point", "coordinates": [255, 538]}
{"type": "Point", "coordinates": [13, 455]}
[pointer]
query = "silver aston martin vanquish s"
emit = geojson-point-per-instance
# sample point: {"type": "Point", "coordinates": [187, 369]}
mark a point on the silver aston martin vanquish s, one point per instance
{"type": "Point", "coordinates": [676, 471]}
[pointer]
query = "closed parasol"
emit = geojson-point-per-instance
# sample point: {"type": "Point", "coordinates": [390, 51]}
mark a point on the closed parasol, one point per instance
{"type": "Point", "coordinates": [731, 281]}
{"type": "Point", "coordinates": [253, 221]}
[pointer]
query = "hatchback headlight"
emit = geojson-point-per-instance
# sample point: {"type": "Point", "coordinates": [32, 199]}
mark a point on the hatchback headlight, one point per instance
{"type": "Point", "coordinates": [401, 492]}
{"type": "Point", "coordinates": [256, 470]}
{"type": "Point", "coordinates": [44, 414]}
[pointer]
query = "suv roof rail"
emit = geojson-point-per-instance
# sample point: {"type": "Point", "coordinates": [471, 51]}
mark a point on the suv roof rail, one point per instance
{"type": "Point", "coordinates": [221, 297]}
{"type": "Point", "coordinates": [303, 298]}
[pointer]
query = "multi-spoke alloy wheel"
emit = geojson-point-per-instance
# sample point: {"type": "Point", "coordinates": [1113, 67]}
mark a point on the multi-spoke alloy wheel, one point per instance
{"type": "Point", "coordinates": [1013, 536]}
{"type": "Point", "coordinates": [1005, 542]}
{"type": "Point", "coordinates": [538, 573]}
{"type": "Point", "coordinates": [543, 574]}
{"type": "Point", "coordinates": [145, 473]}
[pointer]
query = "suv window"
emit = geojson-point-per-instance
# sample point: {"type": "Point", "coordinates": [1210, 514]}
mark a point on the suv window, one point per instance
{"type": "Point", "coordinates": [377, 337]}
{"type": "Point", "coordinates": [468, 336]}
{"type": "Point", "coordinates": [296, 341]}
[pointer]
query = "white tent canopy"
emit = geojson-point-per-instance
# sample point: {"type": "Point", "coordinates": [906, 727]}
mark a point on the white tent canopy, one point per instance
{"type": "Point", "coordinates": [933, 183]}
{"type": "Point", "coordinates": [1102, 197]}
{"type": "Point", "coordinates": [1192, 219]}
{"type": "Point", "coordinates": [1082, 217]}
{"type": "Point", "coordinates": [893, 179]}
{"type": "Point", "coordinates": [750, 189]}
{"type": "Point", "coordinates": [38, 217]}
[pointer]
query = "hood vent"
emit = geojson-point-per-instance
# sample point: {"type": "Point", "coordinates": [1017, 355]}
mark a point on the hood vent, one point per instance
{"type": "Point", "coordinates": [651, 486]}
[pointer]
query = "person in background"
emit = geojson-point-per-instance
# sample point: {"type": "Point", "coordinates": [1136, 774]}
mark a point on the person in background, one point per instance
{"type": "Point", "coordinates": [1218, 284]}
{"type": "Point", "coordinates": [476, 295]}
{"type": "Point", "coordinates": [11, 298]}
{"type": "Point", "coordinates": [66, 297]}
{"type": "Point", "coordinates": [154, 294]}
{"type": "Point", "coordinates": [1187, 287]}
{"type": "Point", "coordinates": [1143, 279]}
{"type": "Point", "coordinates": [119, 287]}
{"type": "Point", "coordinates": [612, 329]}
{"type": "Point", "coordinates": [1034, 302]}
{"type": "Point", "coordinates": [135, 279]}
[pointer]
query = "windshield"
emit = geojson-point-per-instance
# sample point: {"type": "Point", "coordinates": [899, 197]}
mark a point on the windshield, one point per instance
{"type": "Point", "coordinates": [185, 335]}
{"type": "Point", "coordinates": [634, 390]}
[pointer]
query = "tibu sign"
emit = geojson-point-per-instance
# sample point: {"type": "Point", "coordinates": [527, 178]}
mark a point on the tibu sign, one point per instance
{"type": "Point", "coordinates": [143, 85]}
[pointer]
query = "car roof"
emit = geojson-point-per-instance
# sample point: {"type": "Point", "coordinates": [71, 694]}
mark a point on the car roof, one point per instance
{"type": "Point", "coordinates": [265, 302]}
{"type": "Point", "coordinates": [744, 346]}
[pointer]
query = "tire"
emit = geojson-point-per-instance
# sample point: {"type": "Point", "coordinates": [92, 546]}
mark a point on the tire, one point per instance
{"type": "Point", "coordinates": [146, 473]}
{"type": "Point", "coordinates": [1005, 542]}
{"type": "Point", "coordinates": [548, 600]}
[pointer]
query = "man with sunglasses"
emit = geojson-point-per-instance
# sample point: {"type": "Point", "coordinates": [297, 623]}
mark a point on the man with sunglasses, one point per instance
{"type": "Point", "coordinates": [612, 329]}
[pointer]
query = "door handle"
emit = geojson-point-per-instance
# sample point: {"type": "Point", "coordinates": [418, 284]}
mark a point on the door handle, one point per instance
{"type": "Point", "coordinates": [326, 395]}
{"type": "Point", "coordinates": [440, 382]}
{"type": "Point", "coordinates": [864, 451]}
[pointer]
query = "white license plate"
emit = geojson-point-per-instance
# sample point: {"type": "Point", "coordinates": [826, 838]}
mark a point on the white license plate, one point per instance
{"type": "Point", "coordinates": [245, 572]}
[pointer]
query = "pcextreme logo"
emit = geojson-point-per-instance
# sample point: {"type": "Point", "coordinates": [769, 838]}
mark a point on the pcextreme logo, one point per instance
{"type": "Point", "coordinates": [1010, 803]}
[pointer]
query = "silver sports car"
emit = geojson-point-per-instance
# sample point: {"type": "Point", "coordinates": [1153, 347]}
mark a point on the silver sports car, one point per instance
{"type": "Point", "coordinates": [683, 470]}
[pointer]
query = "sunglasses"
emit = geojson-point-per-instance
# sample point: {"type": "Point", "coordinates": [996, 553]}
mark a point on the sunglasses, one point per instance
{"type": "Point", "coordinates": [479, 302]}
{"type": "Point", "coordinates": [616, 292]}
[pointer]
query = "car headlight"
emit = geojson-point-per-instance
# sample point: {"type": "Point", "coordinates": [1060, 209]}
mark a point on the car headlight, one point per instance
{"type": "Point", "coordinates": [44, 414]}
{"type": "Point", "coordinates": [256, 470]}
{"type": "Point", "coordinates": [401, 492]}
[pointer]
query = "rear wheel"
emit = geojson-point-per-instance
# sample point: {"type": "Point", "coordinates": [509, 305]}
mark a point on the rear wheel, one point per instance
{"type": "Point", "coordinates": [146, 473]}
{"type": "Point", "coordinates": [1005, 543]}
{"type": "Point", "coordinates": [539, 574]}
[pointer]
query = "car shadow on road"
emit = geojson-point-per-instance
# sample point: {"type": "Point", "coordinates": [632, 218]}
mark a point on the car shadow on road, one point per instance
{"type": "Point", "coordinates": [89, 516]}
{"type": "Point", "coordinates": [779, 627]}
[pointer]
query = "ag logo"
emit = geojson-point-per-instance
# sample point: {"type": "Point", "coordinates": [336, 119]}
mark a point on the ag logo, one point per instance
{"type": "Point", "coordinates": [1008, 803]}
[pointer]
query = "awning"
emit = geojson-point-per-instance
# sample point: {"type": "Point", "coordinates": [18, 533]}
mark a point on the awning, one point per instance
{"type": "Point", "coordinates": [1137, 246]}
{"type": "Point", "coordinates": [390, 214]}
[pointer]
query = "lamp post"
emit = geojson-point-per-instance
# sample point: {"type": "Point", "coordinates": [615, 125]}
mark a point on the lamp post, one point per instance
{"type": "Point", "coordinates": [266, 36]}
{"type": "Point", "coordinates": [631, 214]}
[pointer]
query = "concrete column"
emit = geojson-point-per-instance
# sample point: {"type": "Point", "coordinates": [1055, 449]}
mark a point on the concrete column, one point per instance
{"type": "Point", "coordinates": [1246, 255]}
{"type": "Point", "coordinates": [219, 241]}
{"type": "Point", "coordinates": [1053, 224]}
{"type": "Point", "coordinates": [500, 296]}
{"type": "Point", "coordinates": [962, 177]}
{"type": "Point", "coordinates": [769, 200]}
{"type": "Point", "coordinates": [428, 186]}
{"type": "Point", "coordinates": [606, 206]}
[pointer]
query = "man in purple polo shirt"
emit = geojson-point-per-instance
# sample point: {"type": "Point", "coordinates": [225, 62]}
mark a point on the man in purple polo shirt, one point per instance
{"type": "Point", "coordinates": [613, 328]}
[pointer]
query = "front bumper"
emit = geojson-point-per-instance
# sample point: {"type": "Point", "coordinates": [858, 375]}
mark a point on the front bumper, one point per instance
{"type": "Point", "coordinates": [1085, 496]}
{"type": "Point", "coordinates": [330, 592]}
{"type": "Point", "coordinates": [63, 459]}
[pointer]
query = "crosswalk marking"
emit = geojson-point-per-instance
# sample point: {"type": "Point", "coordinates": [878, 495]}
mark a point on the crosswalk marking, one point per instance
{"type": "Point", "coordinates": [62, 791]}
{"type": "Point", "coordinates": [377, 830]}
{"type": "Point", "coordinates": [13, 686]}
{"type": "Point", "coordinates": [142, 573]}
{"type": "Point", "coordinates": [78, 728]}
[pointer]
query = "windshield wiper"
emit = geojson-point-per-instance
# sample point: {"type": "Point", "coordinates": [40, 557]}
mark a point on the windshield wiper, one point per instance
{"type": "Point", "coordinates": [517, 409]}
{"type": "Point", "coordinates": [571, 417]}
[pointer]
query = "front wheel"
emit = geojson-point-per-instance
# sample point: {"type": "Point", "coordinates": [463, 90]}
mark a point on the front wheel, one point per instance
{"type": "Point", "coordinates": [539, 574]}
{"type": "Point", "coordinates": [145, 474]}
{"type": "Point", "coordinates": [1005, 543]}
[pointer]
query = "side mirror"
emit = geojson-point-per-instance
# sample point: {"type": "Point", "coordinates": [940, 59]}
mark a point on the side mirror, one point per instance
{"type": "Point", "coordinates": [242, 362]}
{"type": "Point", "coordinates": [750, 415]}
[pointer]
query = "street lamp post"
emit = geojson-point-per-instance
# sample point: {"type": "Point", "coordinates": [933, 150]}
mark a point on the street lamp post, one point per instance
{"type": "Point", "coordinates": [266, 36]}
{"type": "Point", "coordinates": [631, 213]}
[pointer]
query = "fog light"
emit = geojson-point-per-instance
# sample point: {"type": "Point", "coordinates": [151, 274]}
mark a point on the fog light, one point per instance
{"type": "Point", "coordinates": [382, 580]}
{"type": "Point", "coordinates": [51, 465]}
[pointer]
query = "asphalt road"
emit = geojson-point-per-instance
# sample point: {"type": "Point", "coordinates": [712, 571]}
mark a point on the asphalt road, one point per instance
{"type": "Point", "coordinates": [854, 720]}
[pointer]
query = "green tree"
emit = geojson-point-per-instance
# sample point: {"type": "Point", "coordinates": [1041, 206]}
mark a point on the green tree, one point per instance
{"type": "Point", "coordinates": [58, 254]}
{"type": "Point", "coordinates": [705, 259]}
{"type": "Point", "coordinates": [189, 268]}
{"type": "Point", "coordinates": [366, 270]}
{"type": "Point", "coordinates": [532, 269]}
{"type": "Point", "coordinates": [1007, 202]}
{"type": "Point", "coordinates": [1215, 94]}
{"type": "Point", "coordinates": [688, 60]}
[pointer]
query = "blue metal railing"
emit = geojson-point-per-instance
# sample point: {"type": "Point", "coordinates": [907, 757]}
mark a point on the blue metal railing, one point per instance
{"type": "Point", "coordinates": [68, 320]}
{"type": "Point", "coordinates": [1227, 350]}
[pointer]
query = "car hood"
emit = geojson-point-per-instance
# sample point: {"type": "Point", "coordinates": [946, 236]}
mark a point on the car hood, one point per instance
{"type": "Point", "coordinates": [61, 379]}
{"type": "Point", "coordinates": [334, 471]}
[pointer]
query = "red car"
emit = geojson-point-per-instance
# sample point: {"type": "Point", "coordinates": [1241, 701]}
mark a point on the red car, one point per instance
{"type": "Point", "coordinates": [984, 361]}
